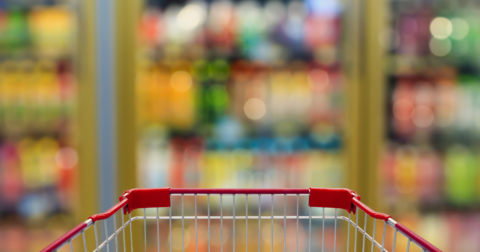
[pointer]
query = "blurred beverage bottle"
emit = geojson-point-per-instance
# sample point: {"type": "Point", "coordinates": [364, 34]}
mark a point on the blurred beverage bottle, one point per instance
{"type": "Point", "coordinates": [51, 30]}
{"type": "Point", "coordinates": [154, 157]}
{"type": "Point", "coordinates": [405, 171]}
{"type": "Point", "coordinates": [388, 172]}
{"type": "Point", "coordinates": [214, 95]}
{"type": "Point", "coordinates": [14, 33]}
{"type": "Point", "coordinates": [251, 28]}
{"type": "Point", "coordinates": [461, 176]}
{"type": "Point", "coordinates": [181, 94]}
{"type": "Point", "coordinates": [403, 106]}
{"type": "Point", "coordinates": [430, 175]}
{"type": "Point", "coordinates": [220, 28]}
{"type": "Point", "coordinates": [11, 180]}
{"type": "Point", "coordinates": [37, 160]}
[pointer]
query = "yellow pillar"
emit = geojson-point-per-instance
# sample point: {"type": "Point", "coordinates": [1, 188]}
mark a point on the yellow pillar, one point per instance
{"type": "Point", "coordinates": [126, 19]}
{"type": "Point", "coordinates": [127, 13]}
{"type": "Point", "coordinates": [87, 108]}
{"type": "Point", "coordinates": [364, 64]}
{"type": "Point", "coordinates": [87, 203]}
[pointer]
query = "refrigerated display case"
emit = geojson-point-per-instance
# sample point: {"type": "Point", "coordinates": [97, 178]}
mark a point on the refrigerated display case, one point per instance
{"type": "Point", "coordinates": [38, 89]}
{"type": "Point", "coordinates": [430, 161]}
{"type": "Point", "coordinates": [215, 82]}
{"type": "Point", "coordinates": [240, 94]}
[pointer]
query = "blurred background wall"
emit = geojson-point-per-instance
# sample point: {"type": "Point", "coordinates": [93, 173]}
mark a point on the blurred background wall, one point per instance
{"type": "Point", "coordinates": [97, 97]}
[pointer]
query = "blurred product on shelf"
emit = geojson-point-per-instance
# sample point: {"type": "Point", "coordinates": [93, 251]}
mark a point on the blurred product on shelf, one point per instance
{"type": "Point", "coordinates": [36, 96]}
{"type": "Point", "coordinates": [37, 177]}
{"type": "Point", "coordinates": [44, 31]}
{"type": "Point", "coordinates": [248, 98]}
{"type": "Point", "coordinates": [255, 163]}
{"type": "Point", "coordinates": [430, 179]}
{"type": "Point", "coordinates": [436, 110]}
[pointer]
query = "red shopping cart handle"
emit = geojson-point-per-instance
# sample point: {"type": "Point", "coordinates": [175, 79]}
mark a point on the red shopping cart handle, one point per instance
{"type": "Point", "coordinates": [419, 240]}
{"type": "Point", "coordinates": [369, 211]}
{"type": "Point", "coordinates": [65, 238]}
{"type": "Point", "coordinates": [318, 197]}
{"type": "Point", "coordinates": [237, 191]}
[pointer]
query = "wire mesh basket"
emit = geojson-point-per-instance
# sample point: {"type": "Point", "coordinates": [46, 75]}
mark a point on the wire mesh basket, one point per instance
{"type": "Point", "coordinates": [200, 220]}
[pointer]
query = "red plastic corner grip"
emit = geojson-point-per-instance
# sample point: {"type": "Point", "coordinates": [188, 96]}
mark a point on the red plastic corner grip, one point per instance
{"type": "Point", "coordinates": [109, 212]}
{"type": "Point", "coordinates": [333, 198]}
{"type": "Point", "coordinates": [369, 211]}
{"type": "Point", "coordinates": [146, 198]}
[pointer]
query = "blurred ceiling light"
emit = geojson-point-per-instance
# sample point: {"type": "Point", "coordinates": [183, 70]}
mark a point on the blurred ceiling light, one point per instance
{"type": "Point", "coordinates": [422, 116]}
{"type": "Point", "coordinates": [460, 28]}
{"type": "Point", "coordinates": [318, 79]}
{"type": "Point", "coordinates": [441, 27]}
{"type": "Point", "coordinates": [181, 81]}
{"type": "Point", "coordinates": [191, 16]}
{"type": "Point", "coordinates": [254, 109]}
{"type": "Point", "coordinates": [440, 47]}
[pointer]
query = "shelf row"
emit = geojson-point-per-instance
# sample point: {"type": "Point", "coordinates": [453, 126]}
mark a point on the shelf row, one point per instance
{"type": "Point", "coordinates": [45, 31]}
{"type": "Point", "coordinates": [268, 32]}
{"type": "Point", "coordinates": [239, 98]}
{"type": "Point", "coordinates": [37, 96]}
{"type": "Point", "coordinates": [431, 179]}
{"type": "Point", "coordinates": [180, 164]}
{"type": "Point", "coordinates": [37, 178]}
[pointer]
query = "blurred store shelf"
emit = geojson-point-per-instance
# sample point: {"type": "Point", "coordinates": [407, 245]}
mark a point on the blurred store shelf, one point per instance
{"type": "Point", "coordinates": [430, 161]}
{"type": "Point", "coordinates": [37, 107]}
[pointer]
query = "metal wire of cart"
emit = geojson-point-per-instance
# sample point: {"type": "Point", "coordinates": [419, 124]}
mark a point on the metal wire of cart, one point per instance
{"type": "Point", "coordinates": [318, 198]}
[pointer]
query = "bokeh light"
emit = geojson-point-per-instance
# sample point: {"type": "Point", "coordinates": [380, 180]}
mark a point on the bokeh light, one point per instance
{"type": "Point", "coordinates": [422, 116]}
{"type": "Point", "coordinates": [254, 109]}
{"type": "Point", "coordinates": [181, 81]}
{"type": "Point", "coordinates": [402, 109]}
{"type": "Point", "coordinates": [66, 158]}
{"type": "Point", "coordinates": [460, 28]}
{"type": "Point", "coordinates": [440, 47]}
{"type": "Point", "coordinates": [318, 79]}
{"type": "Point", "coordinates": [441, 27]}
{"type": "Point", "coordinates": [191, 16]}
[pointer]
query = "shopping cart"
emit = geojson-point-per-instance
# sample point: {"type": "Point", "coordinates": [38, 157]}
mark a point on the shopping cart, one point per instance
{"type": "Point", "coordinates": [244, 223]}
